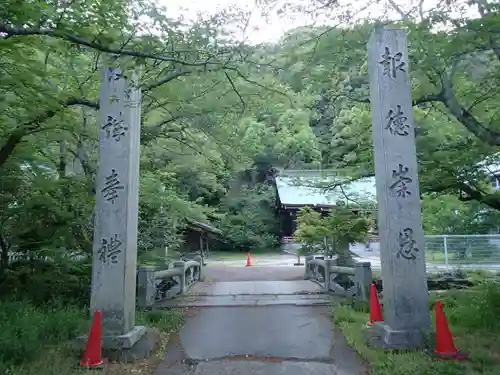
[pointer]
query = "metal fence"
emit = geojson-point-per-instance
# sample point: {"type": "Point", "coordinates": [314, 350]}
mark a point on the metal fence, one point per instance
{"type": "Point", "coordinates": [463, 250]}
{"type": "Point", "coordinates": [445, 252]}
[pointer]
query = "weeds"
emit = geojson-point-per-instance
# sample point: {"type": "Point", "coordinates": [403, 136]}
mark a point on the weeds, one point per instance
{"type": "Point", "coordinates": [473, 319]}
{"type": "Point", "coordinates": [36, 340]}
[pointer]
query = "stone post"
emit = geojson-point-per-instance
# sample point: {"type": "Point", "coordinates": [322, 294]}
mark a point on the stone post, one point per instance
{"type": "Point", "coordinates": [363, 278]}
{"type": "Point", "coordinates": [182, 277]}
{"type": "Point", "coordinates": [307, 258]}
{"type": "Point", "coordinates": [146, 287]}
{"type": "Point", "coordinates": [114, 271]}
{"type": "Point", "coordinates": [199, 259]}
{"type": "Point", "coordinates": [406, 308]}
{"type": "Point", "coordinates": [328, 265]}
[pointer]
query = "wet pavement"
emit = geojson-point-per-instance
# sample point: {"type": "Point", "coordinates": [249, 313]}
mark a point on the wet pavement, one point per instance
{"type": "Point", "coordinates": [274, 326]}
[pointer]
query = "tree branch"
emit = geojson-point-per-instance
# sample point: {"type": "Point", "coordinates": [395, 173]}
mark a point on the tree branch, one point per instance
{"type": "Point", "coordinates": [19, 132]}
{"type": "Point", "coordinates": [491, 200]}
{"type": "Point", "coordinates": [64, 35]}
{"type": "Point", "coordinates": [165, 80]}
{"type": "Point", "coordinates": [236, 91]}
{"type": "Point", "coordinates": [464, 116]}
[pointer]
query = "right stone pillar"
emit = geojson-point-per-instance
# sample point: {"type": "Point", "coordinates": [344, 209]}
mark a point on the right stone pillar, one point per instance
{"type": "Point", "coordinates": [405, 295]}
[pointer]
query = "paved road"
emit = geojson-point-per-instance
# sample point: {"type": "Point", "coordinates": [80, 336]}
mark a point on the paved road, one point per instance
{"type": "Point", "coordinates": [292, 337]}
{"type": "Point", "coordinates": [241, 273]}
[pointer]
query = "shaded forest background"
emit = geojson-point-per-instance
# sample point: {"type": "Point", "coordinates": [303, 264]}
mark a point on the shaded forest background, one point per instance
{"type": "Point", "coordinates": [219, 117]}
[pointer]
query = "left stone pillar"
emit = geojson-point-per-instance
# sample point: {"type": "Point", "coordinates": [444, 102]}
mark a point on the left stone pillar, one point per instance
{"type": "Point", "coordinates": [116, 214]}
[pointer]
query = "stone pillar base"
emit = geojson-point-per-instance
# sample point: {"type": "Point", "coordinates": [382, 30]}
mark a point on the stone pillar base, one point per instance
{"type": "Point", "coordinates": [382, 336]}
{"type": "Point", "coordinates": [135, 345]}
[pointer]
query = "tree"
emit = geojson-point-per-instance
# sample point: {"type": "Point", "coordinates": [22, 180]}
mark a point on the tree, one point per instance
{"type": "Point", "coordinates": [342, 227]}
{"type": "Point", "coordinates": [454, 72]}
{"type": "Point", "coordinates": [203, 98]}
{"type": "Point", "coordinates": [249, 219]}
{"type": "Point", "coordinates": [446, 214]}
{"type": "Point", "coordinates": [311, 231]}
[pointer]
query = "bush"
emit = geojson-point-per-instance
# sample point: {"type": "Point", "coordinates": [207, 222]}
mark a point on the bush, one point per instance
{"type": "Point", "coordinates": [48, 282]}
{"type": "Point", "coordinates": [478, 309]}
{"type": "Point", "coordinates": [26, 330]}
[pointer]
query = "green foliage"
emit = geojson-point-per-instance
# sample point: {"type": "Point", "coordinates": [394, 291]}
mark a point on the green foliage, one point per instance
{"type": "Point", "coordinates": [311, 230]}
{"type": "Point", "coordinates": [42, 282]}
{"type": "Point", "coordinates": [454, 72]}
{"type": "Point", "coordinates": [164, 320]}
{"type": "Point", "coordinates": [34, 337]}
{"type": "Point", "coordinates": [472, 317]}
{"type": "Point", "coordinates": [249, 218]}
{"type": "Point", "coordinates": [446, 214]}
{"type": "Point", "coordinates": [344, 225]}
{"type": "Point", "coordinates": [341, 227]}
{"type": "Point", "coordinates": [25, 330]}
{"type": "Point", "coordinates": [214, 110]}
{"type": "Point", "coordinates": [476, 311]}
{"type": "Point", "coordinates": [219, 108]}
{"type": "Point", "coordinates": [207, 115]}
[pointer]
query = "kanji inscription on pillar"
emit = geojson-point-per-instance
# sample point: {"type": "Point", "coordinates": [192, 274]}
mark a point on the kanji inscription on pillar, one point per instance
{"type": "Point", "coordinates": [397, 122]}
{"type": "Point", "coordinates": [392, 64]}
{"type": "Point", "coordinates": [407, 245]}
{"type": "Point", "coordinates": [401, 181]}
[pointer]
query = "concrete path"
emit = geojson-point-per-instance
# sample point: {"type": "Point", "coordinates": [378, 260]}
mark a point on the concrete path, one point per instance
{"type": "Point", "coordinates": [270, 328]}
{"type": "Point", "coordinates": [252, 293]}
{"type": "Point", "coordinates": [277, 260]}
{"type": "Point", "coordinates": [241, 273]}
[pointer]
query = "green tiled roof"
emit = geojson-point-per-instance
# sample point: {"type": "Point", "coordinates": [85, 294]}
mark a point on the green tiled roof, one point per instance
{"type": "Point", "coordinates": [310, 189]}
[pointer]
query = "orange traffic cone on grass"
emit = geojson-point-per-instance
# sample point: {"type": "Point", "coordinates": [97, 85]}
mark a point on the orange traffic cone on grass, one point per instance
{"type": "Point", "coordinates": [249, 260]}
{"type": "Point", "coordinates": [375, 309]}
{"type": "Point", "coordinates": [445, 347]}
{"type": "Point", "coordinates": [92, 358]}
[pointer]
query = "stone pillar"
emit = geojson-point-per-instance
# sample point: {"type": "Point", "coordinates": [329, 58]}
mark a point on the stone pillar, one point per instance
{"type": "Point", "coordinates": [328, 275]}
{"type": "Point", "coordinates": [116, 212]}
{"type": "Point", "coordinates": [146, 287]}
{"type": "Point", "coordinates": [182, 277]}
{"type": "Point", "coordinates": [199, 259]}
{"type": "Point", "coordinates": [363, 278]}
{"type": "Point", "coordinates": [307, 258]}
{"type": "Point", "coordinates": [406, 308]}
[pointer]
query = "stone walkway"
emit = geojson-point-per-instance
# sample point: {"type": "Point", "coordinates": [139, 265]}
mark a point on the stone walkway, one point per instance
{"type": "Point", "coordinates": [259, 328]}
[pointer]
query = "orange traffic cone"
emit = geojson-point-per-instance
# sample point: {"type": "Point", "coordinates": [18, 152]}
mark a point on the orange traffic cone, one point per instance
{"type": "Point", "coordinates": [445, 347]}
{"type": "Point", "coordinates": [249, 260]}
{"type": "Point", "coordinates": [92, 358]}
{"type": "Point", "coordinates": [375, 310]}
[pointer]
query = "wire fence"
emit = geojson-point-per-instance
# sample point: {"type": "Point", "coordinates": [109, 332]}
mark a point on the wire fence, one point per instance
{"type": "Point", "coordinates": [442, 252]}
{"type": "Point", "coordinates": [463, 250]}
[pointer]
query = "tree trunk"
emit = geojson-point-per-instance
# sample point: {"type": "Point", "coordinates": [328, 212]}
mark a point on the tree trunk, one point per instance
{"type": "Point", "coordinates": [4, 255]}
{"type": "Point", "coordinates": [344, 254]}
{"type": "Point", "coordinates": [10, 145]}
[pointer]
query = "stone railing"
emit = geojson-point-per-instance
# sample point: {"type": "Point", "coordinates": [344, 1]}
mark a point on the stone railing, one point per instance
{"type": "Point", "coordinates": [156, 285]}
{"type": "Point", "coordinates": [342, 281]}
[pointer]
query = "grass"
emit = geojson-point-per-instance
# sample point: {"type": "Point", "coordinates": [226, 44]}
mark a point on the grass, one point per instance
{"type": "Point", "coordinates": [474, 320]}
{"type": "Point", "coordinates": [37, 341]}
